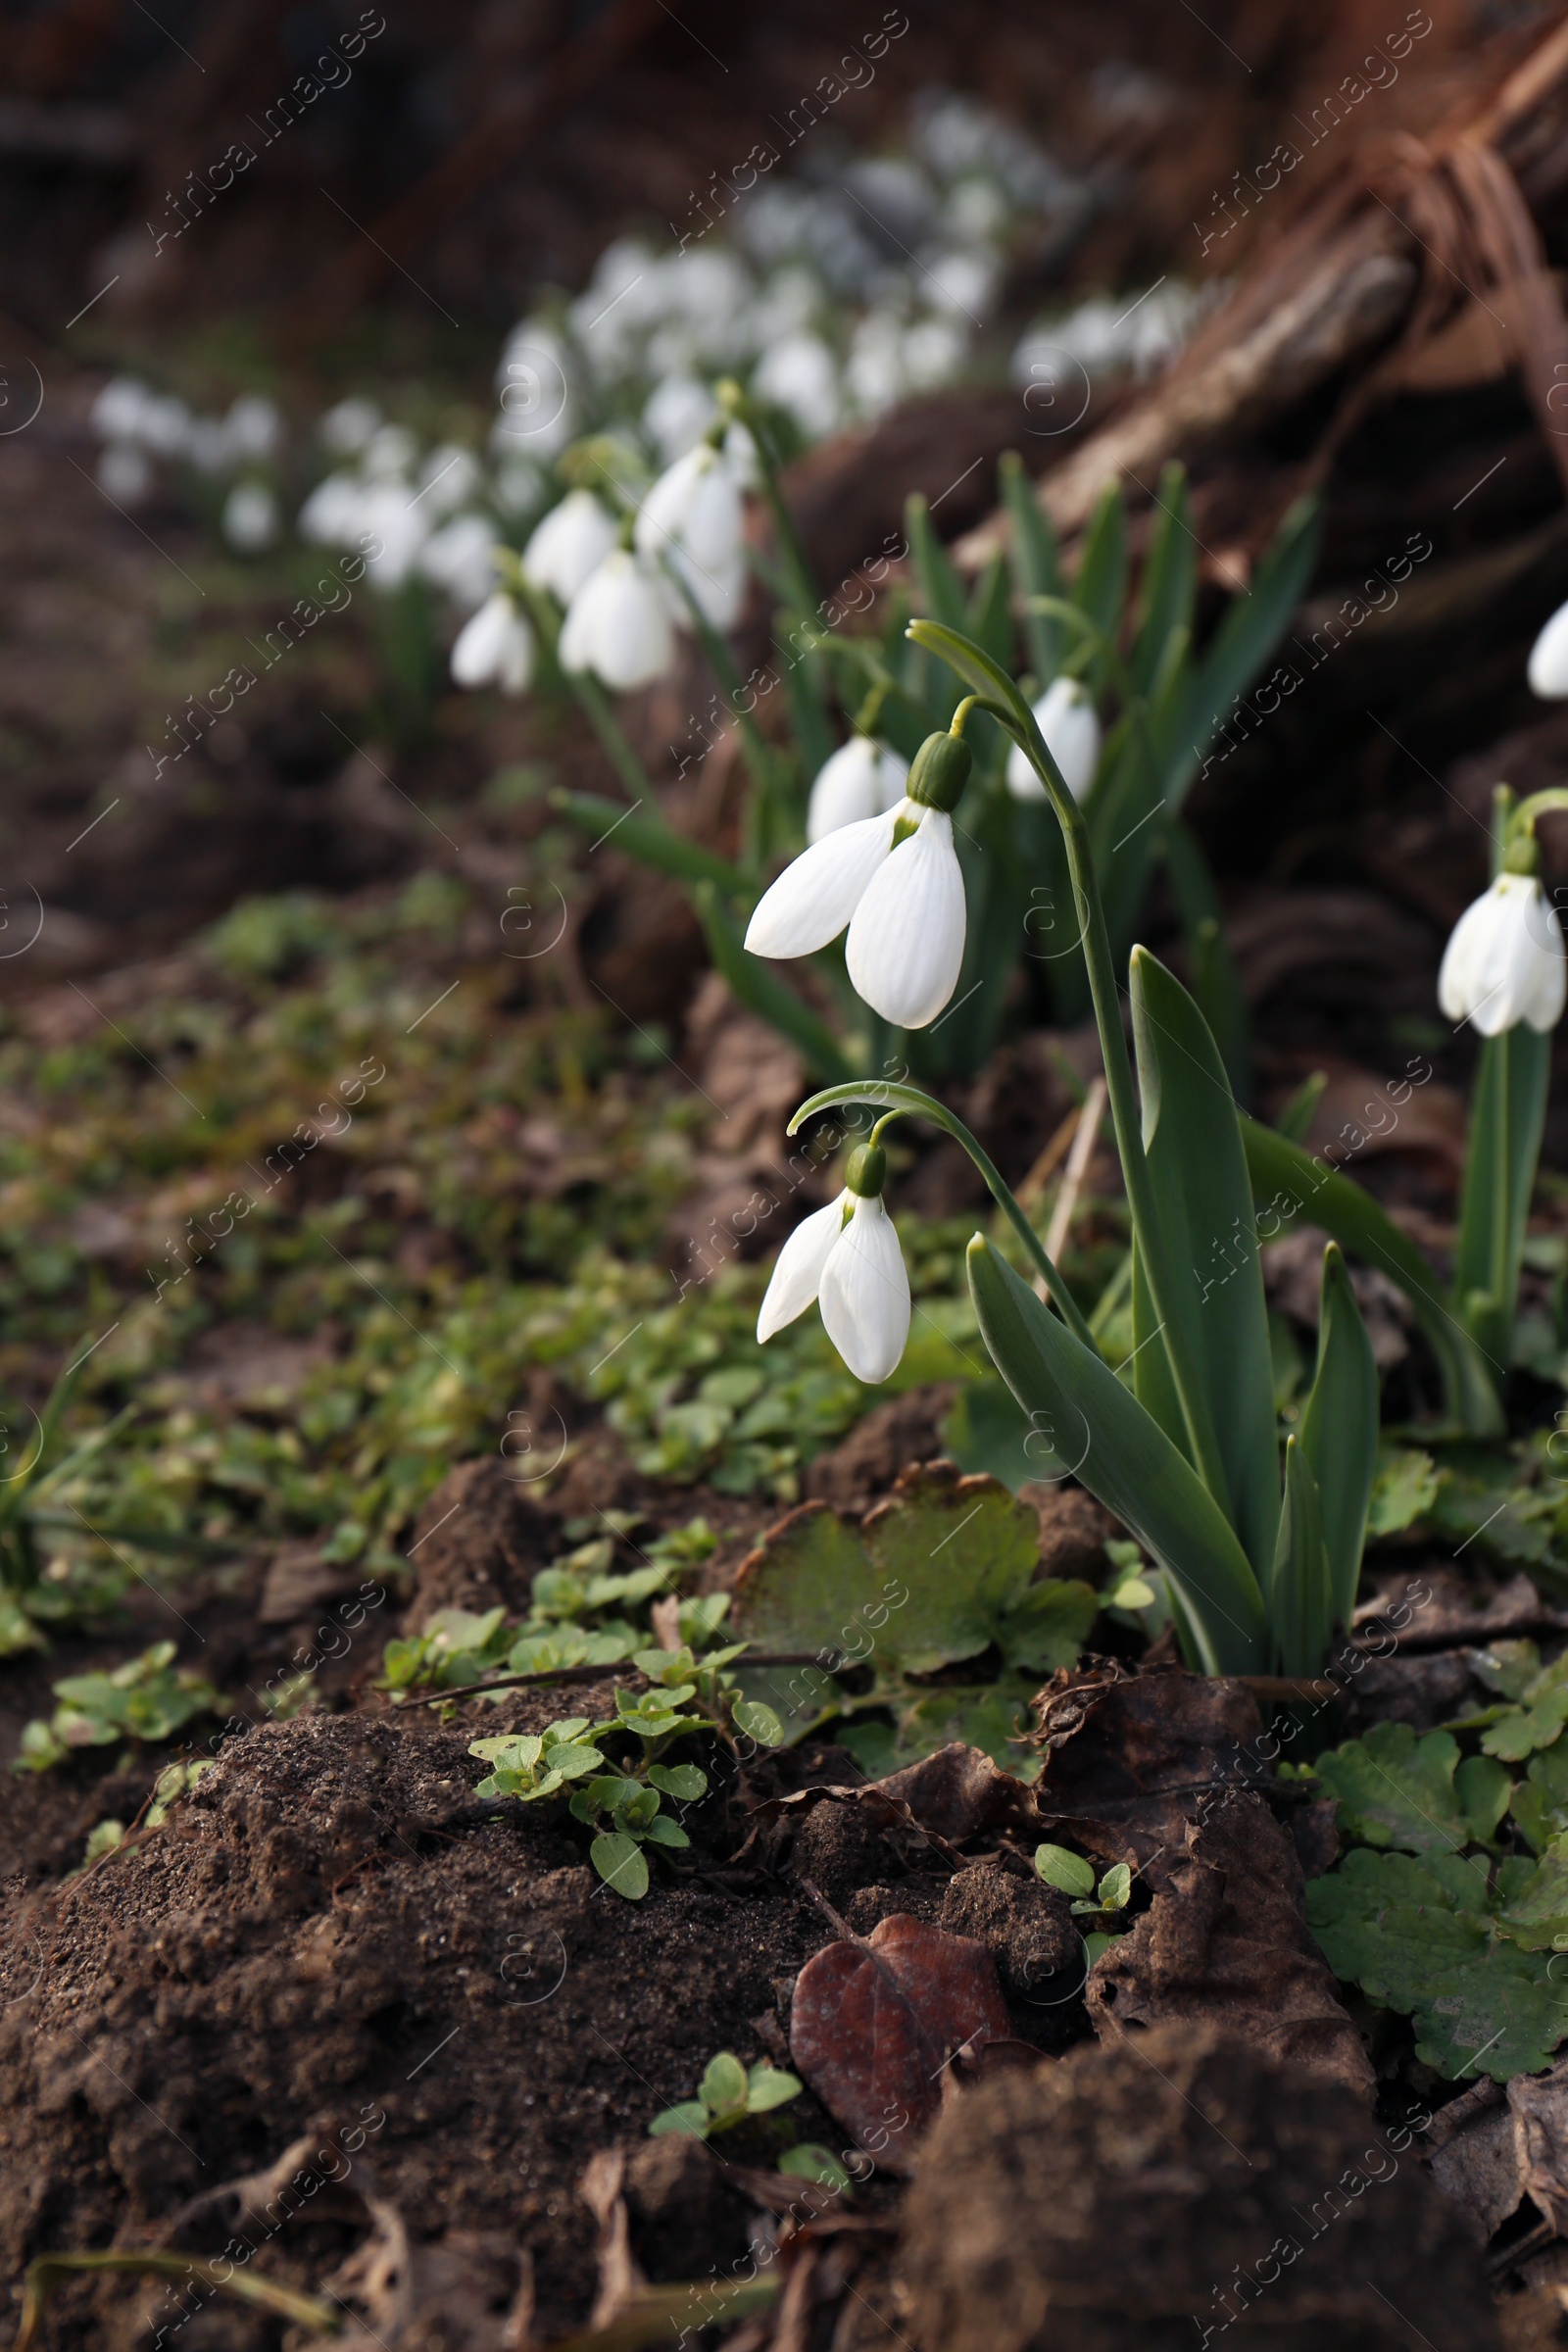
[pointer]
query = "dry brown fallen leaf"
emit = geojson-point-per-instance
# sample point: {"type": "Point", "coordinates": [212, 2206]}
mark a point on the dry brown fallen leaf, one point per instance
{"type": "Point", "coordinates": [876, 2021]}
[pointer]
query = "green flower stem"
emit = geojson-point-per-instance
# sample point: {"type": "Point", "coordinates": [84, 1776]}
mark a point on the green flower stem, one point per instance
{"type": "Point", "coordinates": [907, 1102]}
{"type": "Point", "coordinates": [262, 2294]}
{"type": "Point", "coordinates": [798, 571]}
{"type": "Point", "coordinates": [1014, 713]}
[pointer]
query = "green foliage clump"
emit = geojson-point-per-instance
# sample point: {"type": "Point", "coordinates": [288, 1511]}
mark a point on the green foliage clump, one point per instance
{"type": "Point", "coordinates": [726, 2095]}
{"type": "Point", "coordinates": [148, 1698]}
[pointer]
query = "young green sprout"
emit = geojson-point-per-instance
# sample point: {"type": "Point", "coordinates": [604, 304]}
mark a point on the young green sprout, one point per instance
{"type": "Point", "coordinates": [728, 2094]}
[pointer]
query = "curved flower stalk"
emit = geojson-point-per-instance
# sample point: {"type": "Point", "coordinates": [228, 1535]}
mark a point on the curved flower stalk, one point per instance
{"type": "Point", "coordinates": [896, 881]}
{"type": "Point", "coordinates": [862, 779]}
{"type": "Point", "coordinates": [495, 647]}
{"type": "Point", "coordinates": [1071, 728]}
{"type": "Point", "coordinates": [847, 1259]}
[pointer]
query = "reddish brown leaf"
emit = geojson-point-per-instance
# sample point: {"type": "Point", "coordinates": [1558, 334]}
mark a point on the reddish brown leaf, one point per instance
{"type": "Point", "coordinates": [875, 2022]}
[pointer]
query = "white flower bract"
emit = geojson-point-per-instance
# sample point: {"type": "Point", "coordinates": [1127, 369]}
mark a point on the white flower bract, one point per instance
{"type": "Point", "coordinates": [1505, 963]}
{"type": "Point", "coordinates": [861, 779]}
{"type": "Point", "coordinates": [618, 625]}
{"type": "Point", "coordinates": [1066, 718]}
{"type": "Point", "coordinates": [495, 647]}
{"type": "Point", "coordinates": [846, 1258]}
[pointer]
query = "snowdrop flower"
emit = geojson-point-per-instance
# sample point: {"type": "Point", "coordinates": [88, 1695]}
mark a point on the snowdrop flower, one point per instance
{"type": "Point", "coordinates": [495, 647]}
{"type": "Point", "coordinates": [461, 560]}
{"type": "Point", "coordinates": [1065, 718]}
{"type": "Point", "coordinates": [798, 375]}
{"type": "Point", "coordinates": [895, 880]}
{"type": "Point", "coordinates": [677, 416]}
{"type": "Point", "coordinates": [447, 479]}
{"type": "Point", "coordinates": [118, 411]}
{"type": "Point", "coordinates": [690, 520]}
{"type": "Point", "coordinates": [570, 545]}
{"type": "Point", "coordinates": [1505, 963]}
{"type": "Point", "coordinates": [390, 513]}
{"type": "Point", "coordinates": [1549, 655]}
{"type": "Point", "coordinates": [861, 779]}
{"type": "Point", "coordinates": [254, 426]}
{"type": "Point", "coordinates": [250, 517]}
{"type": "Point", "coordinates": [618, 624]}
{"type": "Point", "coordinates": [331, 516]}
{"type": "Point", "coordinates": [125, 474]}
{"type": "Point", "coordinates": [846, 1258]}
{"type": "Point", "coordinates": [347, 428]}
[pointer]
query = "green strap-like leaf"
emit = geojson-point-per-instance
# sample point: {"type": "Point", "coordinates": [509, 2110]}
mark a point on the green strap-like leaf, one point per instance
{"type": "Point", "coordinates": [1301, 1608]}
{"type": "Point", "coordinates": [1204, 1204]}
{"type": "Point", "coordinates": [653, 842]}
{"type": "Point", "coordinates": [1036, 565]}
{"type": "Point", "coordinates": [1288, 1183]}
{"type": "Point", "coordinates": [1170, 576]}
{"type": "Point", "coordinates": [1338, 1431]}
{"type": "Point", "coordinates": [1100, 1434]}
{"type": "Point", "coordinates": [1246, 636]}
{"type": "Point", "coordinates": [1101, 588]}
{"type": "Point", "coordinates": [1149, 1365]}
{"type": "Point", "coordinates": [1216, 984]}
{"type": "Point", "coordinates": [1507, 1113]}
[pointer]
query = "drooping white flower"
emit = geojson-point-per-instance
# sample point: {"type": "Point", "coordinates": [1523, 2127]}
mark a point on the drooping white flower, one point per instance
{"type": "Point", "coordinates": [250, 517]}
{"type": "Point", "coordinates": [905, 943]}
{"type": "Point", "coordinates": [1549, 658]}
{"type": "Point", "coordinates": [254, 426]}
{"type": "Point", "coordinates": [846, 1258]}
{"type": "Point", "coordinates": [618, 625]}
{"type": "Point", "coordinates": [798, 373]}
{"type": "Point", "coordinates": [692, 520]}
{"type": "Point", "coordinates": [896, 881]}
{"type": "Point", "coordinates": [494, 647]}
{"type": "Point", "coordinates": [1505, 963]}
{"type": "Point", "coordinates": [678, 413]}
{"type": "Point", "coordinates": [1065, 716]}
{"type": "Point", "coordinates": [124, 473]}
{"type": "Point", "coordinates": [861, 779]}
{"type": "Point", "coordinates": [570, 545]}
{"type": "Point", "coordinates": [346, 429]}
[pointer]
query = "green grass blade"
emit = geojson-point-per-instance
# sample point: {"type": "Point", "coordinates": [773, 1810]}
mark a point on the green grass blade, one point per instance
{"type": "Point", "coordinates": [1288, 1183]}
{"type": "Point", "coordinates": [1246, 636]}
{"type": "Point", "coordinates": [1098, 1431]}
{"type": "Point", "coordinates": [1100, 589]}
{"type": "Point", "coordinates": [1338, 1431]}
{"type": "Point", "coordinates": [1213, 1280]}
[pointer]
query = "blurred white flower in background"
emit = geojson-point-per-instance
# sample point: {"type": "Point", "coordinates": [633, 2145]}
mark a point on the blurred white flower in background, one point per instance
{"type": "Point", "coordinates": [125, 474]}
{"type": "Point", "coordinates": [1066, 718]}
{"type": "Point", "coordinates": [459, 560]}
{"type": "Point", "coordinates": [861, 779]}
{"type": "Point", "coordinates": [251, 521]}
{"type": "Point", "coordinates": [618, 627]}
{"type": "Point", "coordinates": [570, 545]}
{"type": "Point", "coordinates": [495, 647]}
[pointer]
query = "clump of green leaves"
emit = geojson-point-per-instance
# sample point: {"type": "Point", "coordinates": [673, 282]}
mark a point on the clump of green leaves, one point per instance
{"type": "Point", "coordinates": [147, 1699]}
{"type": "Point", "coordinates": [726, 2095]}
{"type": "Point", "coordinates": [622, 1801]}
{"type": "Point", "coordinates": [1071, 1875]}
{"type": "Point", "coordinates": [1429, 1913]}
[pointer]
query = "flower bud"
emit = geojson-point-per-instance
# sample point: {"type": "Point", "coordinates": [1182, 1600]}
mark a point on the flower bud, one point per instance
{"type": "Point", "coordinates": [939, 773]}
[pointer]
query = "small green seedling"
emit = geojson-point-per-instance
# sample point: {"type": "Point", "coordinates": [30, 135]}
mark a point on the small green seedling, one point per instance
{"type": "Point", "coordinates": [726, 2095]}
{"type": "Point", "coordinates": [1071, 1875]}
{"type": "Point", "coordinates": [147, 1699]}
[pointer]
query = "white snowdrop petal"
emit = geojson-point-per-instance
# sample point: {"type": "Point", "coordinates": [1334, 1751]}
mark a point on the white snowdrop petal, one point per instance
{"type": "Point", "coordinates": [797, 1271]}
{"type": "Point", "coordinates": [906, 943]}
{"type": "Point", "coordinates": [1455, 975]}
{"type": "Point", "coordinates": [865, 1293]}
{"type": "Point", "coordinates": [1549, 658]}
{"type": "Point", "coordinates": [1065, 716]}
{"type": "Point", "coordinates": [1504, 960]}
{"type": "Point", "coordinates": [695, 506]}
{"type": "Point", "coordinates": [814, 897]}
{"type": "Point", "coordinates": [618, 625]}
{"type": "Point", "coordinates": [570, 545]}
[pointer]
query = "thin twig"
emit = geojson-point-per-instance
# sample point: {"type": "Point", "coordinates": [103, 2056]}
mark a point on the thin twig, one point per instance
{"type": "Point", "coordinates": [1083, 1143]}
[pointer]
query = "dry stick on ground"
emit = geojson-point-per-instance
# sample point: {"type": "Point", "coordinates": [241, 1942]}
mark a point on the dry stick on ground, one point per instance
{"type": "Point", "coordinates": [1347, 283]}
